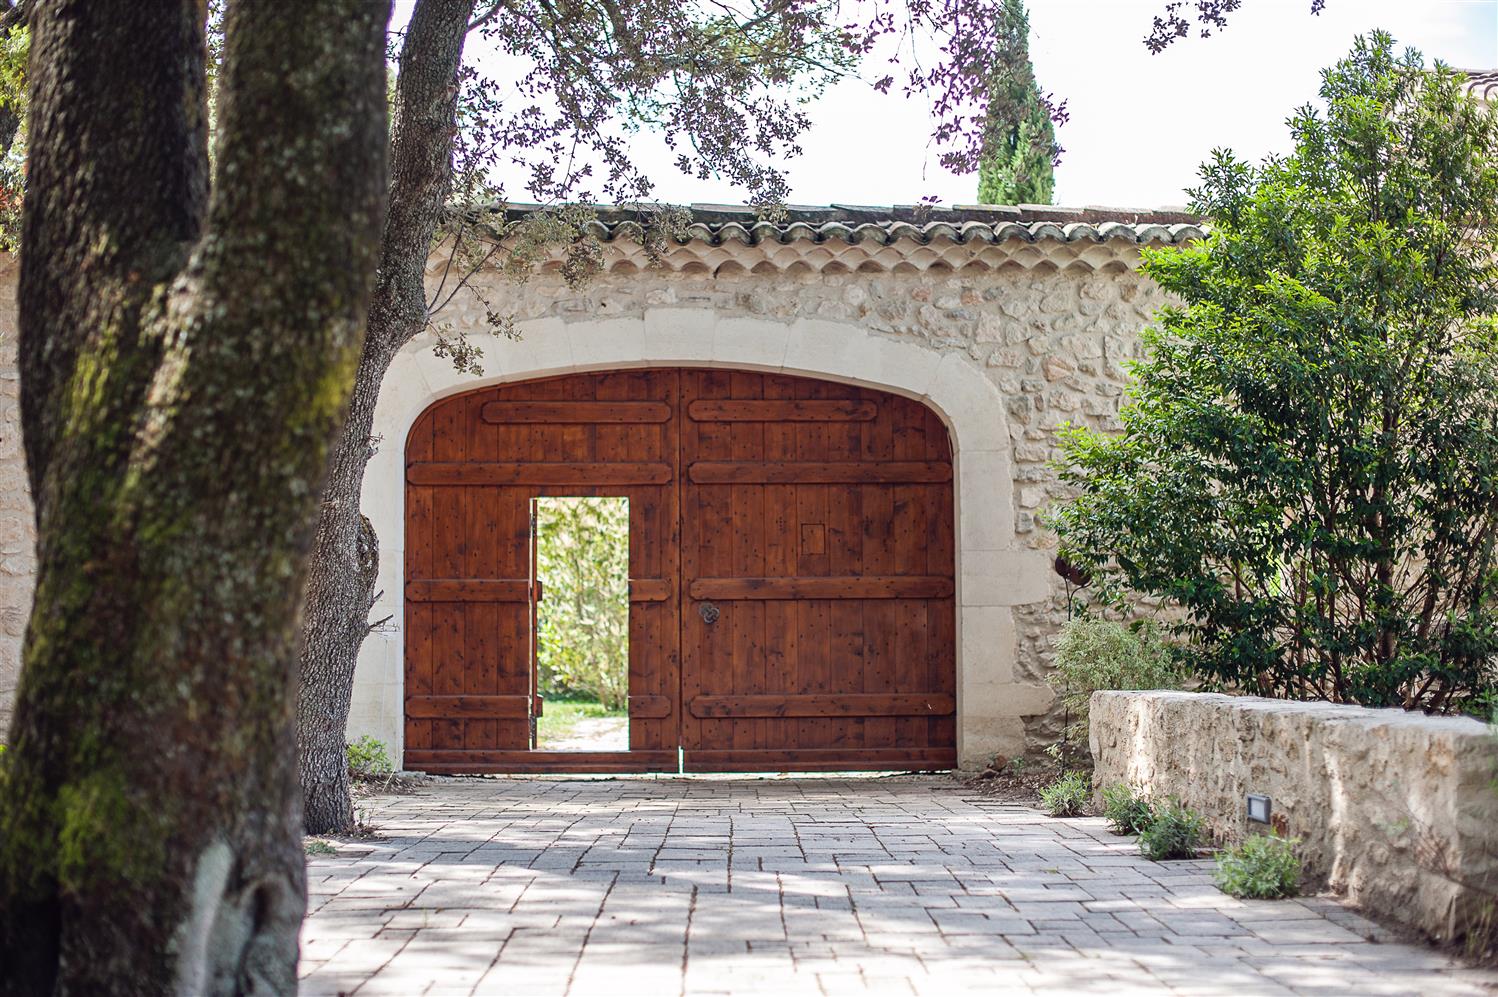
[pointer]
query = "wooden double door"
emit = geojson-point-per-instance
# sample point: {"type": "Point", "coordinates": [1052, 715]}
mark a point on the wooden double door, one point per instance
{"type": "Point", "coordinates": [790, 559]}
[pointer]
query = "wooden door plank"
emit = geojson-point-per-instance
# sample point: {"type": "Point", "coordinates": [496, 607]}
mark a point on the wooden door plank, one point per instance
{"type": "Point", "coordinates": [418, 619]}
{"type": "Point", "coordinates": [815, 472]}
{"type": "Point", "coordinates": [555, 413]}
{"type": "Point", "coordinates": [836, 704]}
{"type": "Point", "coordinates": [481, 560]}
{"type": "Point", "coordinates": [653, 707]}
{"type": "Point", "coordinates": [525, 761]}
{"type": "Point", "coordinates": [650, 589]}
{"type": "Point", "coordinates": [449, 518]}
{"type": "Point", "coordinates": [746, 442]}
{"type": "Point", "coordinates": [781, 410]}
{"type": "Point", "coordinates": [845, 558]}
{"type": "Point", "coordinates": [826, 587]}
{"type": "Point", "coordinates": [588, 474]}
{"type": "Point", "coordinates": [469, 590]}
{"type": "Point", "coordinates": [465, 705]}
{"type": "Point", "coordinates": [814, 673]}
{"type": "Point", "coordinates": [822, 760]}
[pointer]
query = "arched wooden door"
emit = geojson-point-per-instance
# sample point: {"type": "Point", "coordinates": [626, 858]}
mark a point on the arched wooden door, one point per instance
{"type": "Point", "coordinates": [791, 566]}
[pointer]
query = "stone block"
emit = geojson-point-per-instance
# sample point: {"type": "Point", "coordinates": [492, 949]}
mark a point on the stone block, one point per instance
{"type": "Point", "coordinates": [1397, 810]}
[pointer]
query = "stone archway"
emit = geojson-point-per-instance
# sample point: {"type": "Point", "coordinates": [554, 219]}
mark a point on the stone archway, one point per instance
{"type": "Point", "coordinates": [993, 572]}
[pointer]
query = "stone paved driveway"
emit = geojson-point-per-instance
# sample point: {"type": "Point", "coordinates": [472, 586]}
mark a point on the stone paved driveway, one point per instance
{"type": "Point", "coordinates": [803, 886]}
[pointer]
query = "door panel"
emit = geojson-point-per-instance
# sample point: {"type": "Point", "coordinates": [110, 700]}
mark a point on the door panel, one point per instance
{"type": "Point", "coordinates": [475, 463]}
{"type": "Point", "coordinates": [816, 521]}
{"type": "Point", "coordinates": [811, 521]}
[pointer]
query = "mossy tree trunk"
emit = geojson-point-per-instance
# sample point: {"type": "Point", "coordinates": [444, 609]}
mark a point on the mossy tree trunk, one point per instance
{"type": "Point", "coordinates": [186, 360]}
{"type": "Point", "coordinates": [341, 577]}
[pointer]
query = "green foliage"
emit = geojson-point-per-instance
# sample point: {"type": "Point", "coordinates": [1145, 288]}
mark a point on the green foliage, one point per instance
{"type": "Point", "coordinates": [317, 846]}
{"type": "Point", "coordinates": [368, 759]}
{"type": "Point", "coordinates": [1067, 796]}
{"type": "Point", "coordinates": [1308, 468]}
{"type": "Point", "coordinates": [560, 717]}
{"type": "Point", "coordinates": [1264, 867]}
{"type": "Point", "coordinates": [1175, 832]}
{"type": "Point", "coordinates": [1019, 139]}
{"type": "Point", "coordinates": [15, 50]}
{"type": "Point", "coordinates": [582, 553]}
{"type": "Point", "coordinates": [1125, 812]}
{"type": "Point", "coordinates": [1093, 654]}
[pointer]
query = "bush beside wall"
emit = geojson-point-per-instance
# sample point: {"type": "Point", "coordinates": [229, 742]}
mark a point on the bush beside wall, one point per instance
{"type": "Point", "coordinates": [1398, 811]}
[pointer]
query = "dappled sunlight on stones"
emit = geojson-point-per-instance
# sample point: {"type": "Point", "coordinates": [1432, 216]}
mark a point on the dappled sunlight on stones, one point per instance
{"type": "Point", "coordinates": [802, 886]}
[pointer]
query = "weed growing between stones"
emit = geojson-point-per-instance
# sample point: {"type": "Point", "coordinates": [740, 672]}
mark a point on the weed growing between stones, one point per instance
{"type": "Point", "coordinates": [1264, 867]}
{"type": "Point", "coordinates": [1174, 833]}
{"type": "Point", "coordinates": [368, 760]}
{"type": "Point", "coordinates": [1125, 812]}
{"type": "Point", "coordinates": [1067, 796]}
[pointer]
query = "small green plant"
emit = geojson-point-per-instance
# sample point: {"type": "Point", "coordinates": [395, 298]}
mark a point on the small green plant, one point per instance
{"type": "Point", "coordinates": [1067, 796]}
{"type": "Point", "coordinates": [317, 846]}
{"type": "Point", "coordinates": [368, 759]}
{"type": "Point", "coordinates": [1264, 867]}
{"type": "Point", "coordinates": [1093, 654]}
{"type": "Point", "coordinates": [1126, 813]}
{"type": "Point", "coordinates": [1174, 833]}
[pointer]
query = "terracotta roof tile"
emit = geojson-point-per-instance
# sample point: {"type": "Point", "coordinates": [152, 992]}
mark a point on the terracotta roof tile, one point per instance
{"type": "Point", "coordinates": [719, 224]}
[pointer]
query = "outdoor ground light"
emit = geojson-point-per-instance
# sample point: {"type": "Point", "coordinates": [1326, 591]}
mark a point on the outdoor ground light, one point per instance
{"type": "Point", "coordinates": [1258, 808]}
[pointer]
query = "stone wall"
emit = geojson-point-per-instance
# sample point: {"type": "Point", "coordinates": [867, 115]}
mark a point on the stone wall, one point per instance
{"type": "Point", "coordinates": [1050, 325]}
{"type": "Point", "coordinates": [17, 533]}
{"type": "Point", "coordinates": [1053, 339]}
{"type": "Point", "coordinates": [1398, 811]}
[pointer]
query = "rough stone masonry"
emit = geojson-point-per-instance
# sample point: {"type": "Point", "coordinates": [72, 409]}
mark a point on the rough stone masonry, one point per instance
{"type": "Point", "coordinates": [1046, 302]}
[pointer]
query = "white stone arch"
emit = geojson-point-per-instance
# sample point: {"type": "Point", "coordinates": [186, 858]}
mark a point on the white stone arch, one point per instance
{"type": "Point", "coordinates": [994, 571]}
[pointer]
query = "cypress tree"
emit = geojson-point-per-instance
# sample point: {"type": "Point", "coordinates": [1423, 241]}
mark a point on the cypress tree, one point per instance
{"type": "Point", "coordinates": [1019, 138]}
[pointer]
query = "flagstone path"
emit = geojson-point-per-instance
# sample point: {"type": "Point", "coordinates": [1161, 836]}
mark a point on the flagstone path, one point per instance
{"type": "Point", "coordinates": [817, 886]}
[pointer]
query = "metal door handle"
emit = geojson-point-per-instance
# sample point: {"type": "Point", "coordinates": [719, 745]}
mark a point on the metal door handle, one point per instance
{"type": "Point", "coordinates": [708, 612]}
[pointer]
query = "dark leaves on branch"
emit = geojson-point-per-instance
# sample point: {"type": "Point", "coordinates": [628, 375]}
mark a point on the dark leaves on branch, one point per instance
{"type": "Point", "coordinates": [1211, 15]}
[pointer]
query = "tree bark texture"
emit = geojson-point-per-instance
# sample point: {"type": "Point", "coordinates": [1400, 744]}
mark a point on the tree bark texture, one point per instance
{"type": "Point", "coordinates": [186, 361]}
{"type": "Point", "coordinates": [341, 576]}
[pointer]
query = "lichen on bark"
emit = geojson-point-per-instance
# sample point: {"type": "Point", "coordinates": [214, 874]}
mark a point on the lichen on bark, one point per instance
{"type": "Point", "coordinates": [186, 361]}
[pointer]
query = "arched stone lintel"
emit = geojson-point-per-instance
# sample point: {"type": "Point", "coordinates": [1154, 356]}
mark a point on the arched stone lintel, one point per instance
{"type": "Point", "coordinates": [994, 572]}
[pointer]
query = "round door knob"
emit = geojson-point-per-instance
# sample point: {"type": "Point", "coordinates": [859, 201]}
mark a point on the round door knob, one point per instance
{"type": "Point", "coordinates": [708, 612]}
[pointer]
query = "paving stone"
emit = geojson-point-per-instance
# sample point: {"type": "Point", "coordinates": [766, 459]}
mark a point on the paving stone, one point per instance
{"type": "Point", "coordinates": [810, 886]}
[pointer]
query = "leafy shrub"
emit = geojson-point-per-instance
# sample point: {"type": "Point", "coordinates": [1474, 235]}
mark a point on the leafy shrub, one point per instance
{"type": "Point", "coordinates": [1126, 813]}
{"type": "Point", "coordinates": [1264, 867]}
{"type": "Point", "coordinates": [1174, 833]}
{"type": "Point", "coordinates": [368, 759]}
{"type": "Point", "coordinates": [1093, 654]}
{"type": "Point", "coordinates": [1304, 473]}
{"type": "Point", "coordinates": [582, 553]}
{"type": "Point", "coordinates": [1067, 796]}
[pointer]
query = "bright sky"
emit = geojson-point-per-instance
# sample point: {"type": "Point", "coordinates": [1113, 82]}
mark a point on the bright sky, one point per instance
{"type": "Point", "coordinates": [1140, 123]}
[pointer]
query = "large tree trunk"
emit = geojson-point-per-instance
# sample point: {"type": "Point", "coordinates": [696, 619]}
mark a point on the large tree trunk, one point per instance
{"type": "Point", "coordinates": [341, 576]}
{"type": "Point", "coordinates": [182, 380]}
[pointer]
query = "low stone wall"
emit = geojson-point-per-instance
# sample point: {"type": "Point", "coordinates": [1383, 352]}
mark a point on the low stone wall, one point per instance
{"type": "Point", "coordinates": [1398, 811]}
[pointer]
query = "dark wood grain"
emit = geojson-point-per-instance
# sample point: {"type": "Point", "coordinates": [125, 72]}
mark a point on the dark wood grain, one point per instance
{"type": "Point", "coordinates": [743, 472]}
{"type": "Point", "coordinates": [651, 589]}
{"type": "Point", "coordinates": [782, 410]}
{"type": "Point", "coordinates": [841, 704]}
{"type": "Point", "coordinates": [816, 517]}
{"type": "Point", "coordinates": [561, 413]}
{"type": "Point", "coordinates": [649, 707]}
{"type": "Point", "coordinates": [834, 587]}
{"type": "Point", "coordinates": [589, 473]}
{"type": "Point", "coordinates": [471, 590]}
{"type": "Point", "coordinates": [486, 707]}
